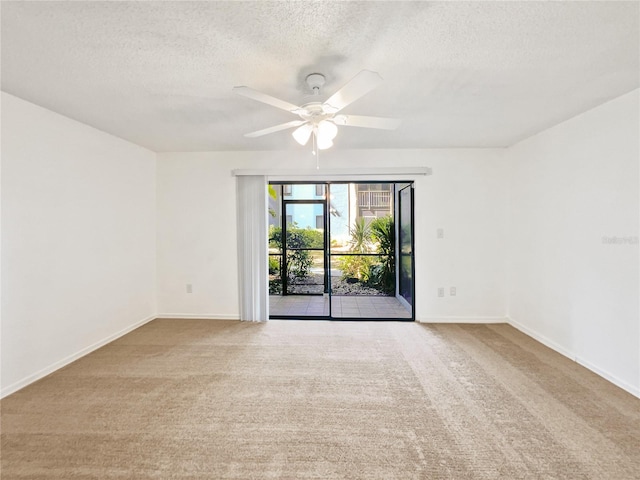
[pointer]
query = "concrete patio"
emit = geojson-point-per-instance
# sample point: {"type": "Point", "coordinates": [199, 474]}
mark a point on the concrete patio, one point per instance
{"type": "Point", "coordinates": [356, 306]}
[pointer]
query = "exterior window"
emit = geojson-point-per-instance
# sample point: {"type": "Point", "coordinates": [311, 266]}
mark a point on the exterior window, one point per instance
{"type": "Point", "coordinates": [319, 222]}
{"type": "Point", "coordinates": [319, 190]}
{"type": "Point", "coordinates": [286, 190]}
{"type": "Point", "coordinates": [289, 219]}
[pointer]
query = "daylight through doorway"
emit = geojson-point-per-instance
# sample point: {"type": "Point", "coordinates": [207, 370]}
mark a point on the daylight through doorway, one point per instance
{"type": "Point", "coordinates": [334, 251]}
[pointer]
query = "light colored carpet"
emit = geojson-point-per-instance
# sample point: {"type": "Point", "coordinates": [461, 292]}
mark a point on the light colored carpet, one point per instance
{"type": "Point", "coordinates": [201, 399]}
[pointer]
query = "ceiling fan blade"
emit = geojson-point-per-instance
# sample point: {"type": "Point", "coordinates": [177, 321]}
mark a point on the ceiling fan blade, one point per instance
{"type": "Point", "coordinates": [276, 128]}
{"type": "Point", "coordinates": [264, 98]}
{"type": "Point", "coordinates": [361, 84]}
{"type": "Point", "coordinates": [364, 121]}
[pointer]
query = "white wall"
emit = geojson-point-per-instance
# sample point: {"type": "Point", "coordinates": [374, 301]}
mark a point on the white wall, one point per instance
{"type": "Point", "coordinates": [466, 196]}
{"type": "Point", "coordinates": [78, 239]}
{"type": "Point", "coordinates": [79, 236]}
{"type": "Point", "coordinates": [574, 187]}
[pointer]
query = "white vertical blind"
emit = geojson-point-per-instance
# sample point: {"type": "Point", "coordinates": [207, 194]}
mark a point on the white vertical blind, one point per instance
{"type": "Point", "coordinates": [252, 247]}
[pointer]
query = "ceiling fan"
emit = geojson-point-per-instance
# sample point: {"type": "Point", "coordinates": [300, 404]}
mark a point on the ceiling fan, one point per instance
{"type": "Point", "coordinates": [320, 120]}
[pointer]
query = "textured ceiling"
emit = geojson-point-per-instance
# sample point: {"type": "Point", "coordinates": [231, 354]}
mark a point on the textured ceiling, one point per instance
{"type": "Point", "coordinates": [459, 74]}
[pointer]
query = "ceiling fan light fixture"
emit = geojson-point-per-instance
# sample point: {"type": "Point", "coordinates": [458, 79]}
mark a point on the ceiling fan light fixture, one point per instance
{"type": "Point", "coordinates": [327, 129]}
{"type": "Point", "coordinates": [324, 143]}
{"type": "Point", "coordinates": [302, 134]}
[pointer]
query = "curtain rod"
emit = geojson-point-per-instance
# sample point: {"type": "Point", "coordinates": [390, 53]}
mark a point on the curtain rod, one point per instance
{"type": "Point", "coordinates": [333, 172]}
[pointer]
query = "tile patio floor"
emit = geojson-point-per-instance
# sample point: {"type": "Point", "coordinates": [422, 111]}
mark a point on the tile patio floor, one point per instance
{"type": "Point", "coordinates": [341, 306]}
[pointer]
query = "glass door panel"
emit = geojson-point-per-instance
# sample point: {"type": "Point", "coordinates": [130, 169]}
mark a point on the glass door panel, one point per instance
{"type": "Point", "coordinates": [363, 252]}
{"type": "Point", "coordinates": [405, 244]}
{"type": "Point", "coordinates": [304, 248]}
{"type": "Point", "coordinates": [340, 211]}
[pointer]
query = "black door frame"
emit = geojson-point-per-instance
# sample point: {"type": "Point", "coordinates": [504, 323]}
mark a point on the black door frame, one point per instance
{"type": "Point", "coordinates": [327, 245]}
{"type": "Point", "coordinates": [283, 275]}
{"type": "Point", "coordinates": [412, 244]}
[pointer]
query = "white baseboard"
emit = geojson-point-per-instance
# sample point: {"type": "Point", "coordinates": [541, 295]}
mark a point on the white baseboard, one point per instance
{"type": "Point", "coordinates": [71, 358]}
{"type": "Point", "coordinates": [195, 316]}
{"type": "Point", "coordinates": [612, 378]}
{"type": "Point", "coordinates": [633, 390]}
{"type": "Point", "coordinates": [542, 339]}
{"type": "Point", "coordinates": [461, 320]}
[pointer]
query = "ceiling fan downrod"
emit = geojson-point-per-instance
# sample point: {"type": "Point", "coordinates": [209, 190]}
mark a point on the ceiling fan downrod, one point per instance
{"type": "Point", "coordinates": [315, 82]}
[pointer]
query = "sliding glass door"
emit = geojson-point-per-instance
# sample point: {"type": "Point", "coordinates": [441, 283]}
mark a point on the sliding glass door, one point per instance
{"type": "Point", "coordinates": [334, 251]}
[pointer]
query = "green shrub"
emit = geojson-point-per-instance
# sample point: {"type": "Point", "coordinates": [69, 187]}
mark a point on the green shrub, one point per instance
{"type": "Point", "coordinates": [274, 265]}
{"type": "Point", "coordinates": [275, 286]}
{"type": "Point", "coordinates": [298, 264]}
{"type": "Point", "coordinates": [356, 266]}
{"type": "Point", "coordinates": [298, 261]}
{"type": "Point", "coordinates": [308, 237]}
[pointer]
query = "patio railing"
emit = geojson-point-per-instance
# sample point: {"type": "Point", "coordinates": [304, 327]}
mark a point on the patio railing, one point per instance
{"type": "Point", "coordinates": [369, 199]}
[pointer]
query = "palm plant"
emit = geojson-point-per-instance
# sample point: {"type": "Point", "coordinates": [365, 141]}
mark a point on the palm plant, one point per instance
{"type": "Point", "coordinates": [358, 266]}
{"type": "Point", "coordinates": [383, 232]}
{"type": "Point", "coordinates": [360, 241]}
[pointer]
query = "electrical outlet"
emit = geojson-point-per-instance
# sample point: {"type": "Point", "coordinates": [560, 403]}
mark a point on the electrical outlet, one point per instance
{"type": "Point", "coordinates": [189, 288]}
{"type": "Point", "coordinates": [440, 233]}
{"type": "Point", "coordinates": [441, 291]}
{"type": "Point", "coordinates": [452, 291]}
